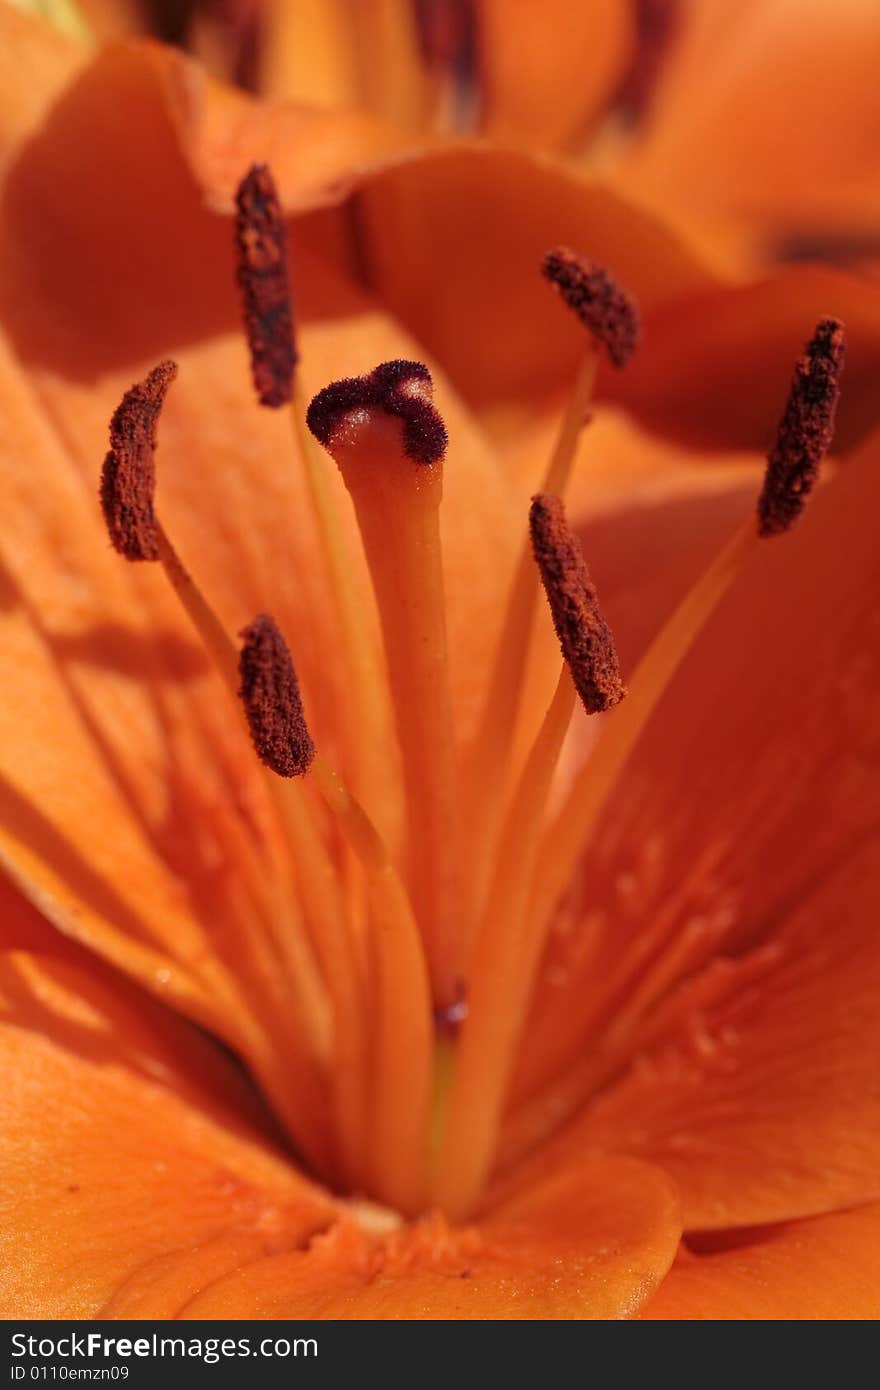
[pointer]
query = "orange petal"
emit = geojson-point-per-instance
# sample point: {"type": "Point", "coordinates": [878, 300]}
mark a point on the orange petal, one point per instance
{"type": "Point", "coordinates": [715, 367]}
{"type": "Point", "coordinates": [590, 1242]}
{"type": "Point", "coordinates": [547, 70]}
{"type": "Point", "coordinates": [767, 115]}
{"type": "Point", "coordinates": [36, 62]}
{"type": "Point", "coordinates": [119, 1162]}
{"type": "Point", "coordinates": [746, 821]}
{"type": "Point", "coordinates": [827, 1268]}
{"type": "Point", "coordinates": [22, 927]}
{"type": "Point", "coordinates": [764, 1107]}
{"type": "Point", "coordinates": [68, 767]}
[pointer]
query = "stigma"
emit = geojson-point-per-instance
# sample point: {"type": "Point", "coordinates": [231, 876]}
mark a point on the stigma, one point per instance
{"type": "Point", "coordinates": [400, 389]}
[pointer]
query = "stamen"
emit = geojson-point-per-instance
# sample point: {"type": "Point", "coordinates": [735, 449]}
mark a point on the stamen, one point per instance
{"type": "Point", "coordinates": [805, 431]}
{"type": "Point", "coordinates": [128, 478]}
{"type": "Point", "coordinates": [584, 635]}
{"type": "Point", "coordinates": [272, 702]}
{"type": "Point", "coordinates": [270, 694]}
{"type": "Point", "coordinates": [403, 1035]}
{"type": "Point", "coordinates": [396, 486]}
{"type": "Point", "coordinates": [564, 842]}
{"type": "Point", "coordinates": [804, 436]}
{"type": "Point", "coordinates": [265, 288]}
{"type": "Point", "coordinates": [128, 483]}
{"type": "Point", "coordinates": [601, 304]}
{"type": "Point", "coordinates": [491, 750]}
{"type": "Point", "coordinates": [401, 1060]}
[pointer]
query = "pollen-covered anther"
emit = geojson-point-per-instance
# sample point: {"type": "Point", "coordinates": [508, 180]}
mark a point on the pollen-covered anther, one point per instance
{"type": "Point", "coordinates": [399, 388]}
{"type": "Point", "coordinates": [603, 306]}
{"type": "Point", "coordinates": [805, 431]}
{"type": "Point", "coordinates": [269, 691]}
{"type": "Point", "coordinates": [261, 240]}
{"type": "Point", "coordinates": [128, 477]}
{"type": "Point", "coordinates": [584, 635]}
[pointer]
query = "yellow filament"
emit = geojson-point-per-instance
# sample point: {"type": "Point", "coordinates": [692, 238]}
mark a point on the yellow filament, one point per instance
{"type": "Point", "coordinates": [502, 969]}
{"type": "Point", "coordinates": [219, 646]}
{"type": "Point", "coordinates": [317, 880]}
{"type": "Point", "coordinates": [402, 1058]}
{"type": "Point", "coordinates": [483, 803]}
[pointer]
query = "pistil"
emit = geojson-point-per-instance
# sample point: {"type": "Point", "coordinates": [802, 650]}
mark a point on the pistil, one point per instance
{"type": "Point", "coordinates": [388, 441]}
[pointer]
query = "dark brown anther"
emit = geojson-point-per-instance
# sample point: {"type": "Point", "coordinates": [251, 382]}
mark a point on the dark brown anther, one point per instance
{"type": "Point", "coordinates": [270, 694]}
{"type": "Point", "coordinates": [584, 635]}
{"type": "Point", "coordinates": [261, 240]}
{"type": "Point", "coordinates": [128, 478]}
{"type": "Point", "coordinates": [399, 388]}
{"type": "Point", "coordinates": [601, 304]}
{"type": "Point", "coordinates": [805, 431]}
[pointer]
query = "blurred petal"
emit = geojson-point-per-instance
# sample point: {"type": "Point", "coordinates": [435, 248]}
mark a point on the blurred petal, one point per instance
{"type": "Point", "coordinates": [590, 1242]}
{"type": "Point", "coordinates": [308, 53]}
{"type": "Point", "coordinates": [335, 54]}
{"type": "Point", "coordinates": [36, 61]}
{"type": "Point", "coordinates": [767, 114]}
{"type": "Point", "coordinates": [118, 1157]}
{"type": "Point", "coordinates": [827, 1268]}
{"type": "Point", "coordinates": [547, 70]}
{"type": "Point", "coordinates": [715, 367]}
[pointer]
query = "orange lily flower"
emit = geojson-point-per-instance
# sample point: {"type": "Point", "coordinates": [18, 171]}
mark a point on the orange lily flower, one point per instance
{"type": "Point", "coordinates": [661, 1099]}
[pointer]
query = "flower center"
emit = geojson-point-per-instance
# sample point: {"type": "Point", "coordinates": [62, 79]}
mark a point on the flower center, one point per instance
{"type": "Point", "coordinates": [411, 957]}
